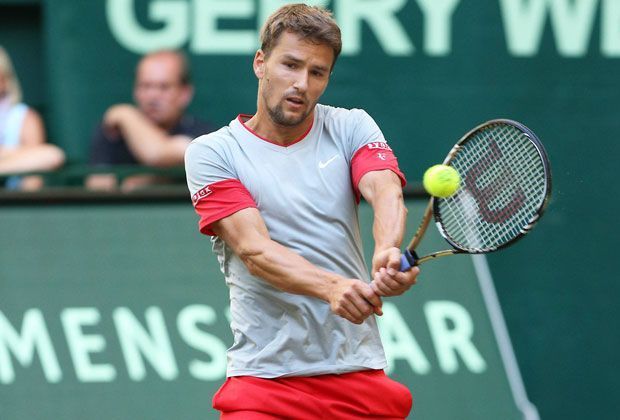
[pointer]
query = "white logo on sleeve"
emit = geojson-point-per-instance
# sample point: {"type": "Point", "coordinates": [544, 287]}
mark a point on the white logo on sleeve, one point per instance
{"type": "Point", "coordinates": [327, 162]}
{"type": "Point", "coordinates": [202, 193]}
{"type": "Point", "coordinates": [381, 156]}
{"type": "Point", "coordinates": [379, 145]}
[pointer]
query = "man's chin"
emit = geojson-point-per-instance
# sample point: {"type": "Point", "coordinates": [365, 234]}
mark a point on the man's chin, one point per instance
{"type": "Point", "coordinates": [287, 117]}
{"type": "Point", "coordinates": [291, 119]}
{"type": "Point", "coordinates": [292, 122]}
{"type": "Point", "coordinates": [157, 119]}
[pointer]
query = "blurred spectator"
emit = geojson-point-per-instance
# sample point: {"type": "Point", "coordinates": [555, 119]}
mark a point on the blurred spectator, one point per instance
{"type": "Point", "coordinates": [22, 135]}
{"type": "Point", "coordinates": [156, 131]}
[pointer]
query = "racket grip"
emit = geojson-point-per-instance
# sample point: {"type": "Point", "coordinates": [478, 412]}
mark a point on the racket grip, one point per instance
{"type": "Point", "coordinates": [407, 260]}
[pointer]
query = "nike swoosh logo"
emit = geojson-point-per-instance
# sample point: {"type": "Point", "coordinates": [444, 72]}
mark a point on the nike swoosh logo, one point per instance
{"type": "Point", "coordinates": [327, 162]}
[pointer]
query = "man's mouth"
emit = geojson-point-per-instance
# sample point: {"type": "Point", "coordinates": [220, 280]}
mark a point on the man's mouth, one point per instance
{"type": "Point", "coordinates": [154, 106]}
{"type": "Point", "coordinates": [295, 100]}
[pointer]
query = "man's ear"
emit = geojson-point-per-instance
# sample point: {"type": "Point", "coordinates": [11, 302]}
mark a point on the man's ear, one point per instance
{"type": "Point", "coordinates": [259, 64]}
{"type": "Point", "coordinates": [187, 95]}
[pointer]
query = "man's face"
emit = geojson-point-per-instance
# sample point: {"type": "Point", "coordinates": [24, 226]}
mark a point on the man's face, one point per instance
{"type": "Point", "coordinates": [292, 78]}
{"type": "Point", "coordinates": [158, 91]}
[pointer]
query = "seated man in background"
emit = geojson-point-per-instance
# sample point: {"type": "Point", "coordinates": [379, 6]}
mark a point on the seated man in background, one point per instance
{"type": "Point", "coordinates": [156, 131]}
{"type": "Point", "coordinates": [22, 135]}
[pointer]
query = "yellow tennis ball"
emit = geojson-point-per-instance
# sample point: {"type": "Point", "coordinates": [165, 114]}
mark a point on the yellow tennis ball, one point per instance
{"type": "Point", "coordinates": [441, 180]}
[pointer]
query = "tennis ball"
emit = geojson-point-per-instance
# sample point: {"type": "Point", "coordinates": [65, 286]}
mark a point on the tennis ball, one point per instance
{"type": "Point", "coordinates": [441, 180]}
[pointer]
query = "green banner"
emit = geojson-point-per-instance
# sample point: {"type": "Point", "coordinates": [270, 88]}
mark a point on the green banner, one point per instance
{"type": "Point", "coordinates": [120, 312]}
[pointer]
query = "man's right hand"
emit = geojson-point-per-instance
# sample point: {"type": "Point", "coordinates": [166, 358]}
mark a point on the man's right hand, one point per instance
{"type": "Point", "coordinates": [354, 300]}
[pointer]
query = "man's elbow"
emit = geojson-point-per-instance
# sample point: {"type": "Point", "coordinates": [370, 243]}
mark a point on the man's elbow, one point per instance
{"type": "Point", "coordinates": [251, 255]}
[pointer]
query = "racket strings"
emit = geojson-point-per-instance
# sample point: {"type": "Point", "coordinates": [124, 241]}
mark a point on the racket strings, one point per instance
{"type": "Point", "coordinates": [496, 196]}
{"type": "Point", "coordinates": [503, 186]}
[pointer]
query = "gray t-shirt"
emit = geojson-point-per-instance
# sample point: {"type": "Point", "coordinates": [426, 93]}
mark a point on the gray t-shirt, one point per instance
{"type": "Point", "coordinates": [305, 195]}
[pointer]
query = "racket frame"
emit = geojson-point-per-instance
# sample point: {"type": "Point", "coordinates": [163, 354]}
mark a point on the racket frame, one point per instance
{"type": "Point", "coordinates": [410, 258]}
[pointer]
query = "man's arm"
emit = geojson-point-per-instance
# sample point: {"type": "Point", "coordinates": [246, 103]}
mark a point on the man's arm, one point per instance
{"type": "Point", "coordinates": [245, 232]}
{"type": "Point", "coordinates": [382, 189]}
{"type": "Point", "coordinates": [150, 144]}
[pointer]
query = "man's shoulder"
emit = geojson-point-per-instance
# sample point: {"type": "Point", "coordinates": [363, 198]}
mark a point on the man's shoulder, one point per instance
{"type": "Point", "coordinates": [220, 136]}
{"type": "Point", "coordinates": [333, 113]}
{"type": "Point", "coordinates": [217, 150]}
{"type": "Point", "coordinates": [214, 142]}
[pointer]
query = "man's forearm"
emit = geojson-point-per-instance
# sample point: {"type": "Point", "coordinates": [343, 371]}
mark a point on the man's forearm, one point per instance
{"type": "Point", "coordinates": [384, 193]}
{"type": "Point", "coordinates": [288, 271]}
{"type": "Point", "coordinates": [390, 216]}
{"type": "Point", "coordinates": [143, 138]}
{"type": "Point", "coordinates": [352, 299]}
{"type": "Point", "coordinates": [383, 190]}
{"type": "Point", "coordinates": [246, 234]}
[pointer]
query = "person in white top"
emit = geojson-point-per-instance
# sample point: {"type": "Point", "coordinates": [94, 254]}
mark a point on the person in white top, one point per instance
{"type": "Point", "coordinates": [278, 192]}
{"type": "Point", "coordinates": [22, 135]}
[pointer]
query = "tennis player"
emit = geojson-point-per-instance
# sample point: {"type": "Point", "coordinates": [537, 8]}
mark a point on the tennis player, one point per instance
{"type": "Point", "coordinates": [278, 192]}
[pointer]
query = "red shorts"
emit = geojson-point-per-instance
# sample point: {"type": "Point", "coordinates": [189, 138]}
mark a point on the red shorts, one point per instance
{"type": "Point", "coordinates": [366, 394]}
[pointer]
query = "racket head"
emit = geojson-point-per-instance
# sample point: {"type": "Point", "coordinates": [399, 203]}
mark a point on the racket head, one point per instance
{"type": "Point", "coordinates": [505, 187]}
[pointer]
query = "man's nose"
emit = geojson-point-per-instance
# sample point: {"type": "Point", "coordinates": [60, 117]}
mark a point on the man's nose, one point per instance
{"type": "Point", "coordinates": [301, 82]}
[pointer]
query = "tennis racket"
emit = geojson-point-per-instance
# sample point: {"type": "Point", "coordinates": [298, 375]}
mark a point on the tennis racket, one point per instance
{"type": "Point", "coordinates": [505, 187]}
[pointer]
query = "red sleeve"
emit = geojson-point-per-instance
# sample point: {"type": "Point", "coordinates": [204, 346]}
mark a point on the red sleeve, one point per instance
{"type": "Point", "coordinates": [374, 156]}
{"type": "Point", "coordinates": [219, 200]}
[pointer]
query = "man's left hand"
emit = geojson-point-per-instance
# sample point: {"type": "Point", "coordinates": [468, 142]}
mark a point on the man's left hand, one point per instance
{"type": "Point", "coordinates": [388, 280]}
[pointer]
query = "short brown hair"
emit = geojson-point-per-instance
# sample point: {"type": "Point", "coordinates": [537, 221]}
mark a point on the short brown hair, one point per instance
{"type": "Point", "coordinates": [312, 23]}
